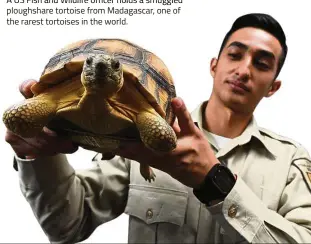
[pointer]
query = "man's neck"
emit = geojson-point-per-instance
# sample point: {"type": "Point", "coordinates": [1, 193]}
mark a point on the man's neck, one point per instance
{"type": "Point", "coordinates": [223, 121]}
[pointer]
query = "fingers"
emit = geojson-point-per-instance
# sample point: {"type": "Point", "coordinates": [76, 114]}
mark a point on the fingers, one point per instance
{"type": "Point", "coordinates": [48, 142]}
{"type": "Point", "coordinates": [185, 121]}
{"type": "Point", "coordinates": [44, 144]}
{"type": "Point", "coordinates": [176, 128]}
{"type": "Point", "coordinates": [20, 147]}
{"type": "Point", "coordinates": [25, 86]}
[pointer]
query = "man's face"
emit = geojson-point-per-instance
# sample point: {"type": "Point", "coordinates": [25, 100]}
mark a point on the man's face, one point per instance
{"type": "Point", "coordinates": [246, 69]}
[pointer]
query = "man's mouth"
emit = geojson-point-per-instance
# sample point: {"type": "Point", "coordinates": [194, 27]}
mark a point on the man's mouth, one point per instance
{"type": "Point", "coordinates": [238, 86]}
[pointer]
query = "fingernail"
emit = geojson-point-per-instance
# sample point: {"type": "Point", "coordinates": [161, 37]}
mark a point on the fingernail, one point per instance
{"type": "Point", "coordinates": [24, 84]}
{"type": "Point", "coordinates": [49, 132]}
{"type": "Point", "coordinates": [178, 102]}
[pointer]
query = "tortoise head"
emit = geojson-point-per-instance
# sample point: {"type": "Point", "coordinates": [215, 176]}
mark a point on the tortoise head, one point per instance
{"type": "Point", "coordinates": [102, 73]}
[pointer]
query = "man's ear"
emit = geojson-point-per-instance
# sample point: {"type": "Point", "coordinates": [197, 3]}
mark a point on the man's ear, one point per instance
{"type": "Point", "coordinates": [274, 88]}
{"type": "Point", "coordinates": [213, 66]}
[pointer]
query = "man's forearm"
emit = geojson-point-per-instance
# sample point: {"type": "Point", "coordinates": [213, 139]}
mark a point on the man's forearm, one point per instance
{"type": "Point", "coordinates": [69, 205]}
{"type": "Point", "coordinates": [55, 196]}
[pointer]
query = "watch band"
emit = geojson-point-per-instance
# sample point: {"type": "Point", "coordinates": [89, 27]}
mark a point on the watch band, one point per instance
{"type": "Point", "coordinates": [217, 184]}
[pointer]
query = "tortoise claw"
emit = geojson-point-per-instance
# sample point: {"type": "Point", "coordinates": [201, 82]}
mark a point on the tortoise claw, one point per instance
{"type": "Point", "coordinates": [147, 173]}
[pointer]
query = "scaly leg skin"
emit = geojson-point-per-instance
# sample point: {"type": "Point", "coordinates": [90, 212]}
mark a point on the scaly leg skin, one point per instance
{"type": "Point", "coordinates": [28, 118]}
{"type": "Point", "coordinates": [147, 172]}
{"type": "Point", "coordinates": [155, 132]}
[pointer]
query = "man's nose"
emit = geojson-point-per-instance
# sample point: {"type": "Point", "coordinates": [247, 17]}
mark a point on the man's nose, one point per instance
{"type": "Point", "coordinates": [243, 71]}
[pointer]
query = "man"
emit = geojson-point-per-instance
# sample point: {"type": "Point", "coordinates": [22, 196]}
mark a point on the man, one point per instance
{"type": "Point", "coordinates": [227, 181]}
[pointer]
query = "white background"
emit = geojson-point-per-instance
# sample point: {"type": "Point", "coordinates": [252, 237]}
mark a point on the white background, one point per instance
{"type": "Point", "coordinates": [186, 43]}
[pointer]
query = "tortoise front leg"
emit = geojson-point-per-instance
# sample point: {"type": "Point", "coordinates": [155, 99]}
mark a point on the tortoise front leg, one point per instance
{"type": "Point", "coordinates": [157, 135]}
{"type": "Point", "coordinates": [155, 132]}
{"type": "Point", "coordinates": [29, 117]}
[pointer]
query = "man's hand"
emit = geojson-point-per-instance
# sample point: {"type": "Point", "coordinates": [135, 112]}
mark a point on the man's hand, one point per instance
{"type": "Point", "coordinates": [47, 143]}
{"type": "Point", "coordinates": [189, 162]}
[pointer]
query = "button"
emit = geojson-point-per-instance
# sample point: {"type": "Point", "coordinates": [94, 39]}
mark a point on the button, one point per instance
{"type": "Point", "coordinates": [149, 213]}
{"type": "Point", "coordinates": [232, 211]}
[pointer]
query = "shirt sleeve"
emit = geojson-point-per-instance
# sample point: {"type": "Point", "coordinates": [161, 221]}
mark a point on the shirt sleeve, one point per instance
{"type": "Point", "coordinates": [244, 213]}
{"type": "Point", "coordinates": [70, 204]}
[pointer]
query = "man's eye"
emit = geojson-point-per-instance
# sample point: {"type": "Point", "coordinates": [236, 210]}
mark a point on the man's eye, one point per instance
{"type": "Point", "coordinates": [234, 56]}
{"type": "Point", "coordinates": [262, 65]}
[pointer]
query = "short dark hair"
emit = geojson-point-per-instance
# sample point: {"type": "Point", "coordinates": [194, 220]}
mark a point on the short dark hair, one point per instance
{"type": "Point", "coordinates": [264, 22]}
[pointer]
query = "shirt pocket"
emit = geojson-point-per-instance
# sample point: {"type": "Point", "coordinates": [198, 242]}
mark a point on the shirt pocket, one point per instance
{"type": "Point", "coordinates": [156, 205]}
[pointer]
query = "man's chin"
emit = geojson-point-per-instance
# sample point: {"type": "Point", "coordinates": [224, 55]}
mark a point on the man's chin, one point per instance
{"type": "Point", "coordinates": [238, 104]}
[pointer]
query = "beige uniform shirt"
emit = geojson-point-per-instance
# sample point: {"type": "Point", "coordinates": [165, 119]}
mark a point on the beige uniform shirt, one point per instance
{"type": "Point", "coordinates": [270, 202]}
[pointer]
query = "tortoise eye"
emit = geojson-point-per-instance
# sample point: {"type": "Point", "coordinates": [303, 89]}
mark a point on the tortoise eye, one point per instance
{"type": "Point", "coordinates": [116, 64]}
{"type": "Point", "coordinates": [89, 60]}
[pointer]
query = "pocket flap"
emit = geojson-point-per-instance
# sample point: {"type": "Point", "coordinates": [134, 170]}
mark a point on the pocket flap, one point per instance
{"type": "Point", "coordinates": [152, 204]}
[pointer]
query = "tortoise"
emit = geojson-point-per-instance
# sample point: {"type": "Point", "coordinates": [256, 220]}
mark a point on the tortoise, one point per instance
{"type": "Point", "coordinates": [101, 92]}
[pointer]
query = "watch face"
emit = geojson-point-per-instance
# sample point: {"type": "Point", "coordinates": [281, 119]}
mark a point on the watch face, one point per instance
{"type": "Point", "coordinates": [223, 179]}
{"type": "Point", "coordinates": [217, 184]}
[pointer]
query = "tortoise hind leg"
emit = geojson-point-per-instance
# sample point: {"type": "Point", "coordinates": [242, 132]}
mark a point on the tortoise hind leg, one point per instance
{"type": "Point", "coordinates": [155, 132]}
{"type": "Point", "coordinates": [28, 118]}
{"type": "Point", "coordinates": [147, 172]}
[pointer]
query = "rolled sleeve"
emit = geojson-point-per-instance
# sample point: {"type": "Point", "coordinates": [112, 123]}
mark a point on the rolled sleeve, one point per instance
{"type": "Point", "coordinates": [239, 212]}
{"type": "Point", "coordinates": [243, 212]}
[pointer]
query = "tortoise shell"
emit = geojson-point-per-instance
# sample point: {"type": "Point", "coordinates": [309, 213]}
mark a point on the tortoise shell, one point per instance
{"type": "Point", "coordinates": [153, 78]}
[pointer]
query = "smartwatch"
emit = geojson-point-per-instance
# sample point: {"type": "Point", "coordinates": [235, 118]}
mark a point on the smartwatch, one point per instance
{"type": "Point", "coordinates": [216, 186]}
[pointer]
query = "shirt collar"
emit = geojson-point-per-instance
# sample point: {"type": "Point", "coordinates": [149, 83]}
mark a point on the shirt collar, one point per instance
{"type": "Point", "coordinates": [251, 132]}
